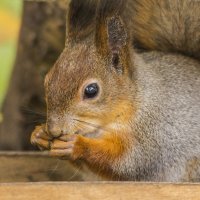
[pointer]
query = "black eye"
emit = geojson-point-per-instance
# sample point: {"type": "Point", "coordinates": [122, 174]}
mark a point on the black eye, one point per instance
{"type": "Point", "coordinates": [91, 91]}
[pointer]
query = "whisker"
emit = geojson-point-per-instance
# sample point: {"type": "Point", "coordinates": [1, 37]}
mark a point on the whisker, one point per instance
{"type": "Point", "coordinates": [79, 126]}
{"type": "Point", "coordinates": [33, 117]}
{"type": "Point", "coordinates": [38, 122]}
{"type": "Point", "coordinates": [78, 169]}
{"type": "Point", "coordinates": [88, 123]}
{"type": "Point", "coordinates": [54, 169]}
{"type": "Point", "coordinates": [32, 112]}
{"type": "Point", "coordinates": [92, 125]}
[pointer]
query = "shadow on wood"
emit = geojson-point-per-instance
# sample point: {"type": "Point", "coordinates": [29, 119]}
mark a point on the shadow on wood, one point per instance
{"type": "Point", "coordinates": [34, 167]}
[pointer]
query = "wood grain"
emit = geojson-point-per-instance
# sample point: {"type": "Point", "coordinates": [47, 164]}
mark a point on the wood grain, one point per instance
{"type": "Point", "coordinates": [34, 167]}
{"type": "Point", "coordinates": [100, 191]}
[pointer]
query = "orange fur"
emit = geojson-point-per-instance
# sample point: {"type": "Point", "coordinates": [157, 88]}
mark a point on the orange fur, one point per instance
{"type": "Point", "coordinates": [100, 154]}
{"type": "Point", "coordinates": [122, 112]}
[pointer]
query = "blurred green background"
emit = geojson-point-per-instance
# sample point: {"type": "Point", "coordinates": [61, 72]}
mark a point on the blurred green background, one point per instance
{"type": "Point", "coordinates": [10, 15]}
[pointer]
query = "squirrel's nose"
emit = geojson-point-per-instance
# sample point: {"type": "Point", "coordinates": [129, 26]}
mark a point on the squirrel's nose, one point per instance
{"type": "Point", "coordinates": [54, 130]}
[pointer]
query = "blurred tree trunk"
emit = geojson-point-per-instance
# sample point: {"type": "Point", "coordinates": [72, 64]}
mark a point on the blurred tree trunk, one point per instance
{"type": "Point", "coordinates": [41, 40]}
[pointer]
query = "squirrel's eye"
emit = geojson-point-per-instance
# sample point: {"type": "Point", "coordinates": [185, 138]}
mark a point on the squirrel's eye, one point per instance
{"type": "Point", "coordinates": [91, 91]}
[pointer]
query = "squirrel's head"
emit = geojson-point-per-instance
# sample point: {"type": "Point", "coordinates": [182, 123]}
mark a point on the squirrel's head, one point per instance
{"type": "Point", "coordinates": [89, 90]}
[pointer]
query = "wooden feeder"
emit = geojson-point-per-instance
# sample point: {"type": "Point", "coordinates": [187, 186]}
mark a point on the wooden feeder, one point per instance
{"type": "Point", "coordinates": [34, 176]}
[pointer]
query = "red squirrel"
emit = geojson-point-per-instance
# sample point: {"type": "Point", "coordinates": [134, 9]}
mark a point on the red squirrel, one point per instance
{"type": "Point", "coordinates": [127, 114]}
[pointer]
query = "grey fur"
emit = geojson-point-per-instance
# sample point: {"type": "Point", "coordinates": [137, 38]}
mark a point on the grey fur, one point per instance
{"type": "Point", "coordinates": [166, 125]}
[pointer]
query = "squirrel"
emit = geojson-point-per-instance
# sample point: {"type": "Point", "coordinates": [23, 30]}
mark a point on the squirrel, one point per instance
{"type": "Point", "coordinates": [127, 114]}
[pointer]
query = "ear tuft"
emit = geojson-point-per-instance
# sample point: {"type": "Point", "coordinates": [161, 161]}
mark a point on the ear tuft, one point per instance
{"type": "Point", "coordinates": [81, 18]}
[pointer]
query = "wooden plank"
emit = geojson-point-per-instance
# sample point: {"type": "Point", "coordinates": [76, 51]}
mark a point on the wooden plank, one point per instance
{"type": "Point", "coordinates": [34, 167]}
{"type": "Point", "coordinates": [100, 191]}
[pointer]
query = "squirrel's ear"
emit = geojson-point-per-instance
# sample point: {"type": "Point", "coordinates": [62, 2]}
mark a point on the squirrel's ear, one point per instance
{"type": "Point", "coordinates": [112, 42]}
{"type": "Point", "coordinates": [81, 18]}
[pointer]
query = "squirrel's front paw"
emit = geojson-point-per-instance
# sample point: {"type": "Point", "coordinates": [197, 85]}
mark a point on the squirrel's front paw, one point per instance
{"type": "Point", "coordinates": [40, 138]}
{"type": "Point", "coordinates": [68, 146]}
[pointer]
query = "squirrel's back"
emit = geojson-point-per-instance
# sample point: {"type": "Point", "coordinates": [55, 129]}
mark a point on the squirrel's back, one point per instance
{"type": "Point", "coordinates": [166, 25]}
